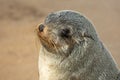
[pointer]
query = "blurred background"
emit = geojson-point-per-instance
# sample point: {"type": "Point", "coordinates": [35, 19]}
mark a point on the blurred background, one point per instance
{"type": "Point", "coordinates": [18, 18]}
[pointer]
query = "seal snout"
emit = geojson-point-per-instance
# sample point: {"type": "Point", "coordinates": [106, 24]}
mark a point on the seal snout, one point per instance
{"type": "Point", "coordinates": [41, 27]}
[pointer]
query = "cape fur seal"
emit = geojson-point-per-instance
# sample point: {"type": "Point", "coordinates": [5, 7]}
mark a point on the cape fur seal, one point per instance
{"type": "Point", "coordinates": [72, 50]}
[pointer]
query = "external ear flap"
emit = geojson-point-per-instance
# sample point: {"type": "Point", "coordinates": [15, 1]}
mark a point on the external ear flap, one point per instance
{"type": "Point", "coordinates": [85, 35]}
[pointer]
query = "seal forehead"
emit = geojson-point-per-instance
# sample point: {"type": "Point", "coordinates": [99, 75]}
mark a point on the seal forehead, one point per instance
{"type": "Point", "coordinates": [64, 17]}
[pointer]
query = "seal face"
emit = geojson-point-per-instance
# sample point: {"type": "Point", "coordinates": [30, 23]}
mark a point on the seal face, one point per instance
{"type": "Point", "coordinates": [62, 30]}
{"type": "Point", "coordinates": [71, 50]}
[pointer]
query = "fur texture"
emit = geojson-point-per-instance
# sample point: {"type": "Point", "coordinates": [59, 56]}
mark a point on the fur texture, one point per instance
{"type": "Point", "coordinates": [79, 56]}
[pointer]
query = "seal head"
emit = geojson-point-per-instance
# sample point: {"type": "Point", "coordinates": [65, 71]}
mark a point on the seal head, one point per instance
{"type": "Point", "coordinates": [61, 30]}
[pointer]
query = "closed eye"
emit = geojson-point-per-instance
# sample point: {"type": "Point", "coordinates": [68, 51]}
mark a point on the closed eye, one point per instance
{"type": "Point", "coordinates": [65, 33]}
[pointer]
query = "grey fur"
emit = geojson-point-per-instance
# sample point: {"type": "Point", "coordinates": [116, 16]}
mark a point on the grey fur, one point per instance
{"type": "Point", "coordinates": [87, 59]}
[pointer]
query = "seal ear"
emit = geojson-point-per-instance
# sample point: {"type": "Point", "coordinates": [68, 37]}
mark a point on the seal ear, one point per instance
{"type": "Point", "coordinates": [85, 35]}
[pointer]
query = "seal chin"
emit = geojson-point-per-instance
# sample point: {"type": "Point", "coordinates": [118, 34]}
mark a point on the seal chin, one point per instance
{"type": "Point", "coordinates": [54, 46]}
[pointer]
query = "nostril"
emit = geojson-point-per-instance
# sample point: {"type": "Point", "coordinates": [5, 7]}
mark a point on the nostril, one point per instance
{"type": "Point", "coordinates": [41, 27]}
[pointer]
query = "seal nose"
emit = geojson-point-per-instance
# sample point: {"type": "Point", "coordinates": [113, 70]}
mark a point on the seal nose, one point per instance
{"type": "Point", "coordinates": [41, 27]}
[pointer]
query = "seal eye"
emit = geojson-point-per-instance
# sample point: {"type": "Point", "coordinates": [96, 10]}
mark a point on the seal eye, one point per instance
{"type": "Point", "coordinates": [65, 33]}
